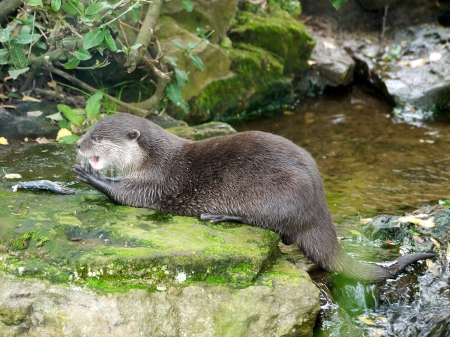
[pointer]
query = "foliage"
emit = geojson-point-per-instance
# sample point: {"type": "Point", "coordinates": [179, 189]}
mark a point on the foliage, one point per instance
{"type": "Point", "coordinates": [173, 90]}
{"type": "Point", "coordinates": [78, 119]}
{"type": "Point", "coordinates": [87, 34]}
{"type": "Point", "coordinates": [292, 7]}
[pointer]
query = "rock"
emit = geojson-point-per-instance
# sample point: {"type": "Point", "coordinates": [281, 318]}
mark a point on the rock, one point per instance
{"type": "Point", "coordinates": [256, 88]}
{"type": "Point", "coordinates": [27, 119]}
{"type": "Point", "coordinates": [208, 15]}
{"type": "Point", "coordinates": [216, 62]}
{"type": "Point", "coordinates": [80, 265]}
{"type": "Point", "coordinates": [417, 82]}
{"type": "Point", "coordinates": [286, 306]}
{"type": "Point", "coordinates": [279, 34]}
{"type": "Point", "coordinates": [203, 131]}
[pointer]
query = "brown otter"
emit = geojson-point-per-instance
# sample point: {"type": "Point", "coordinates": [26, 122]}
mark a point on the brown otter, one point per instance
{"type": "Point", "coordinates": [252, 177]}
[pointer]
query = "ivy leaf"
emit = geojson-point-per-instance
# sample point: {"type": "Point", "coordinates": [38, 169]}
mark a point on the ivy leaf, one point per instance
{"type": "Point", "coordinates": [201, 33]}
{"type": "Point", "coordinates": [56, 117]}
{"type": "Point", "coordinates": [184, 106]}
{"type": "Point", "coordinates": [178, 44]}
{"type": "Point", "coordinates": [35, 3]}
{"type": "Point", "coordinates": [197, 61]}
{"type": "Point", "coordinates": [70, 8]}
{"type": "Point", "coordinates": [83, 54]}
{"type": "Point", "coordinates": [174, 93]}
{"type": "Point", "coordinates": [15, 73]}
{"type": "Point", "coordinates": [93, 104]}
{"type": "Point", "coordinates": [56, 5]}
{"type": "Point", "coordinates": [5, 33]}
{"type": "Point", "coordinates": [171, 60]}
{"type": "Point", "coordinates": [26, 38]}
{"type": "Point", "coordinates": [182, 77]}
{"type": "Point", "coordinates": [70, 115]}
{"type": "Point", "coordinates": [72, 63]}
{"type": "Point", "coordinates": [94, 8]}
{"type": "Point", "coordinates": [337, 3]}
{"type": "Point", "coordinates": [18, 55]}
{"type": "Point", "coordinates": [109, 41]}
{"type": "Point", "coordinates": [3, 54]}
{"type": "Point", "coordinates": [70, 139]}
{"type": "Point", "coordinates": [94, 38]}
{"type": "Point", "coordinates": [187, 4]}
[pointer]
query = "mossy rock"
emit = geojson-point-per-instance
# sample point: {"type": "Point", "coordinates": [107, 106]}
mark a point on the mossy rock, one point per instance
{"type": "Point", "coordinates": [257, 88]}
{"type": "Point", "coordinates": [279, 34]}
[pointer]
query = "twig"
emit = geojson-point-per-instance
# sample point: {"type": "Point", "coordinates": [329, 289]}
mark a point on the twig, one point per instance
{"type": "Point", "coordinates": [145, 34]}
{"type": "Point", "coordinates": [384, 20]}
{"type": "Point", "coordinates": [139, 111]}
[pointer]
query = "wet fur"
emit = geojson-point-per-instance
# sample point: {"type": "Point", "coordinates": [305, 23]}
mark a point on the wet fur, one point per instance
{"type": "Point", "coordinates": [253, 177]}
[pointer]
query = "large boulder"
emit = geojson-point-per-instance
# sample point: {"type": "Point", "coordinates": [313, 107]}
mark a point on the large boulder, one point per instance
{"type": "Point", "coordinates": [81, 265]}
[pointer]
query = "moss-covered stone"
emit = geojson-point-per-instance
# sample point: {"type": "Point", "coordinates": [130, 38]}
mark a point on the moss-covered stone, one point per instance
{"type": "Point", "coordinates": [278, 33]}
{"type": "Point", "coordinates": [257, 87]}
{"type": "Point", "coordinates": [203, 131]}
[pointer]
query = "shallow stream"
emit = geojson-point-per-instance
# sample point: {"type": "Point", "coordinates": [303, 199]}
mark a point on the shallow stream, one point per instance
{"type": "Point", "coordinates": [370, 161]}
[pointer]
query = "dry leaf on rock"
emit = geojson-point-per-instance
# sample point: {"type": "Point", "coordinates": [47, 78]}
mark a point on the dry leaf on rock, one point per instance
{"type": "Point", "coordinates": [3, 141]}
{"type": "Point", "coordinates": [13, 176]}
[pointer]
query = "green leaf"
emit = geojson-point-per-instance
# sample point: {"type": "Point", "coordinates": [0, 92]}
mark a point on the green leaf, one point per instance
{"type": "Point", "coordinates": [26, 38]}
{"type": "Point", "coordinates": [70, 7]}
{"type": "Point", "coordinates": [56, 117]}
{"type": "Point", "coordinates": [171, 60]}
{"type": "Point", "coordinates": [3, 56]}
{"type": "Point", "coordinates": [5, 34]}
{"type": "Point", "coordinates": [444, 203]}
{"type": "Point", "coordinates": [64, 124]}
{"type": "Point", "coordinates": [94, 8]}
{"type": "Point", "coordinates": [15, 73]}
{"type": "Point", "coordinates": [109, 41]}
{"type": "Point", "coordinates": [70, 139]}
{"type": "Point", "coordinates": [70, 115]}
{"type": "Point", "coordinates": [35, 3]}
{"type": "Point", "coordinates": [136, 46]}
{"type": "Point", "coordinates": [93, 105]}
{"type": "Point", "coordinates": [396, 51]}
{"type": "Point", "coordinates": [93, 38]}
{"type": "Point", "coordinates": [337, 3]}
{"type": "Point", "coordinates": [18, 57]}
{"type": "Point", "coordinates": [201, 33]}
{"type": "Point", "coordinates": [56, 5]}
{"type": "Point", "coordinates": [187, 4]}
{"type": "Point", "coordinates": [174, 93]}
{"type": "Point", "coordinates": [197, 61]}
{"type": "Point", "coordinates": [184, 106]}
{"type": "Point", "coordinates": [83, 54]}
{"type": "Point", "coordinates": [182, 77]}
{"type": "Point", "coordinates": [72, 63]}
{"type": "Point", "coordinates": [41, 45]}
{"type": "Point", "coordinates": [178, 44]}
{"type": "Point", "coordinates": [192, 45]}
{"type": "Point", "coordinates": [135, 15]}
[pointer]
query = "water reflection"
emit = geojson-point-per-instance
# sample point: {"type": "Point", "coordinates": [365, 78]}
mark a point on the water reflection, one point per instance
{"type": "Point", "coordinates": [370, 162]}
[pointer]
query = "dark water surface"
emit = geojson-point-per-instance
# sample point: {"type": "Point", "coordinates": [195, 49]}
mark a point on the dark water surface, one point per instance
{"type": "Point", "coordinates": [370, 161]}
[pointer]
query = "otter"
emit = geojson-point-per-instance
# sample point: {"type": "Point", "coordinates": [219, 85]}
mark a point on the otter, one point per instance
{"type": "Point", "coordinates": [252, 177]}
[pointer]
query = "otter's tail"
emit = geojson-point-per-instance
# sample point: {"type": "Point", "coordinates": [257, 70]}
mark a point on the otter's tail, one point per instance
{"type": "Point", "coordinates": [350, 267]}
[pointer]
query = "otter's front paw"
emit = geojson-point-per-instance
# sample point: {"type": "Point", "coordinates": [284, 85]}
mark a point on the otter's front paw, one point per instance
{"type": "Point", "coordinates": [93, 178]}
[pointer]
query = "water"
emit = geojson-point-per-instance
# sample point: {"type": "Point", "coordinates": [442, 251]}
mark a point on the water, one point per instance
{"type": "Point", "coordinates": [370, 162]}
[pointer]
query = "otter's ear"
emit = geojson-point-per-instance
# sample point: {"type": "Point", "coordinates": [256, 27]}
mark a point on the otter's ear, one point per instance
{"type": "Point", "coordinates": [133, 134]}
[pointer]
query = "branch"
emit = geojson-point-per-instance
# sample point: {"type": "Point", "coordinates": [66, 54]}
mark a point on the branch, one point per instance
{"type": "Point", "coordinates": [139, 111]}
{"type": "Point", "coordinates": [8, 6]}
{"type": "Point", "coordinates": [145, 34]}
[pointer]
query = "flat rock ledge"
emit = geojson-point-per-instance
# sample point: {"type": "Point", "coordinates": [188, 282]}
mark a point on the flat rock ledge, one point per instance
{"type": "Point", "coordinates": [80, 265]}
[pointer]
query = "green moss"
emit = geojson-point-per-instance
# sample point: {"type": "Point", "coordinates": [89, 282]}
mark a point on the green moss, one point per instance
{"type": "Point", "coordinates": [23, 241]}
{"type": "Point", "coordinates": [279, 34]}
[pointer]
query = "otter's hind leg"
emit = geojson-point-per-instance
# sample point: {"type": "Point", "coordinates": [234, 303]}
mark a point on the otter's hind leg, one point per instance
{"type": "Point", "coordinates": [215, 218]}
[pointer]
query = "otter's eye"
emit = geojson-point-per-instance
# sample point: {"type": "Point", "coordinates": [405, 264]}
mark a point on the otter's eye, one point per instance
{"type": "Point", "coordinates": [95, 139]}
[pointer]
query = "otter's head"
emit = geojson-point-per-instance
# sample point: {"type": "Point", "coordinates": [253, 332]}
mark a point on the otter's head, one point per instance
{"type": "Point", "coordinates": [111, 145]}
